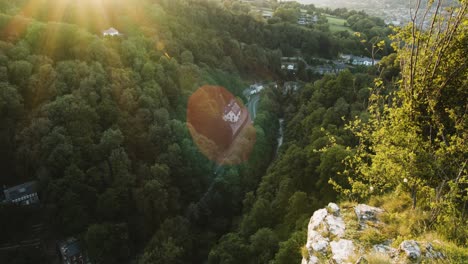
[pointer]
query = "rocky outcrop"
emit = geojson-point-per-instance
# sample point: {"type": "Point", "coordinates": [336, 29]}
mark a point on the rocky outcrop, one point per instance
{"type": "Point", "coordinates": [316, 242]}
{"type": "Point", "coordinates": [324, 236]}
{"type": "Point", "coordinates": [366, 213]}
{"type": "Point", "coordinates": [336, 225]}
{"type": "Point", "coordinates": [341, 250]}
{"type": "Point", "coordinates": [385, 249]}
{"type": "Point", "coordinates": [411, 250]}
{"type": "Point", "coordinates": [328, 242]}
{"type": "Point", "coordinates": [431, 253]}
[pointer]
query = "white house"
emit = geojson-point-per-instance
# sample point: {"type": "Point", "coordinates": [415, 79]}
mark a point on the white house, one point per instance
{"type": "Point", "coordinates": [232, 112]}
{"type": "Point", "coordinates": [267, 14]}
{"type": "Point", "coordinates": [255, 88]}
{"type": "Point", "coordinates": [111, 32]}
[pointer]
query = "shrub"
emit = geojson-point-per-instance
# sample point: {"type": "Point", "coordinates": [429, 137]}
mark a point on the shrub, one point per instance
{"type": "Point", "coordinates": [378, 258]}
{"type": "Point", "coordinates": [372, 236]}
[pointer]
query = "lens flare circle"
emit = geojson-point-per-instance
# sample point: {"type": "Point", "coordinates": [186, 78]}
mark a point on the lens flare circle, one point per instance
{"type": "Point", "coordinates": [220, 125]}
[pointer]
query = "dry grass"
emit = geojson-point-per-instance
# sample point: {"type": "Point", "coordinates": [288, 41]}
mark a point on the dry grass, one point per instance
{"type": "Point", "coordinates": [378, 258]}
{"type": "Point", "coordinates": [305, 252]}
{"type": "Point", "coordinates": [399, 222]}
{"type": "Point", "coordinates": [372, 258]}
{"type": "Point", "coordinates": [349, 217]}
{"type": "Point", "coordinates": [372, 236]}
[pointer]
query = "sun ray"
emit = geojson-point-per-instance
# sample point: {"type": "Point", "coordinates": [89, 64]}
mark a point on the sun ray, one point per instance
{"type": "Point", "coordinates": [18, 24]}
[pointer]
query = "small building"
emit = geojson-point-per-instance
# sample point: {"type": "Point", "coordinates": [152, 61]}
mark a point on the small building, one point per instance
{"type": "Point", "coordinates": [289, 66]}
{"type": "Point", "coordinates": [111, 32]}
{"type": "Point", "coordinates": [346, 57]}
{"type": "Point", "coordinates": [365, 61]}
{"type": "Point", "coordinates": [255, 88]}
{"type": "Point", "coordinates": [339, 66]}
{"type": "Point", "coordinates": [289, 59]}
{"type": "Point", "coordinates": [70, 252]}
{"type": "Point", "coordinates": [23, 194]}
{"type": "Point", "coordinates": [323, 69]}
{"type": "Point", "coordinates": [334, 68]}
{"type": "Point", "coordinates": [232, 112]}
{"type": "Point", "coordinates": [289, 87]}
{"type": "Point", "coordinates": [306, 19]}
{"type": "Point", "coordinates": [267, 14]}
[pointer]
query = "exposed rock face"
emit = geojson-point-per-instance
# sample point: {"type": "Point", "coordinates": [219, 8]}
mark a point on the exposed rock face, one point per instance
{"type": "Point", "coordinates": [325, 230]}
{"type": "Point", "coordinates": [317, 218]}
{"type": "Point", "coordinates": [431, 253]}
{"type": "Point", "coordinates": [336, 225]}
{"type": "Point", "coordinates": [341, 250]}
{"type": "Point", "coordinates": [366, 213]}
{"type": "Point", "coordinates": [327, 241]}
{"type": "Point", "coordinates": [385, 249]}
{"type": "Point", "coordinates": [312, 260]}
{"type": "Point", "coordinates": [315, 241]}
{"type": "Point", "coordinates": [334, 209]}
{"type": "Point", "coordinates": [318, 243]}
{"type": "Point", "coordinates": [411, 249]}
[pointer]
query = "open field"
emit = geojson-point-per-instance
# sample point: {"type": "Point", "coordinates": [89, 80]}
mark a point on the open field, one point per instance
{"type": "Point", "coordinates": [337, 24]}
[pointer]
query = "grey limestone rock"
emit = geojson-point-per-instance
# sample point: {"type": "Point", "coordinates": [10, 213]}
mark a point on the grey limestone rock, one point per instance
{"type": "Point", "coordinates": [411, 250]}
{"type": "Point", "coordinates": [366, 213]}
{"type": "Point", "coordinates": [341, 250]}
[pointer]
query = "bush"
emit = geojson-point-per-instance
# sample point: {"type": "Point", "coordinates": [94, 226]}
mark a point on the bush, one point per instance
{"type": "Point", "coordinates": [378, 258]}
{"type": "Point", "coordinates": [372, 236]}
{"type": "Point", "coordinates": [454, 253]}
{"type": "Point", "coordinates": [305, 253]}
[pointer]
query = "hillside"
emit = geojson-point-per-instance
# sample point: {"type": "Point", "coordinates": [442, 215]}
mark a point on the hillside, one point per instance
{"type": "Point", "coordinates": [200, 131]}
{"type": "Point", "coordinates": [396, 11]}
{"type": "Point", "coordinates": [93, 109]}
{"type": "Point", "coordinates": [359, 233]}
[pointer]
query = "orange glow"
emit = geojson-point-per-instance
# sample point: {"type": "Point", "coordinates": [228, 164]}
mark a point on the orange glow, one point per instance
{"type": "Point", "coordinates": [54, 22]}
{"type": "Point", "coordinates": [220, 125]}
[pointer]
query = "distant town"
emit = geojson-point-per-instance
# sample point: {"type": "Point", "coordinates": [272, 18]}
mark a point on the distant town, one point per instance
{"type": "Point", "coordinates": [393, 12]}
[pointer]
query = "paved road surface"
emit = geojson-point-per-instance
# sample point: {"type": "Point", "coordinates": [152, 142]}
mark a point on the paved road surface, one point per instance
{"type": "Point", "coordinates": [252, 106]}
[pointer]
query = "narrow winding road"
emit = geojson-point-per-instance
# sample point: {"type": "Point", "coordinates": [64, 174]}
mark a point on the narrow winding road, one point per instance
{"type": "Point", "coordinates": [252, 105]}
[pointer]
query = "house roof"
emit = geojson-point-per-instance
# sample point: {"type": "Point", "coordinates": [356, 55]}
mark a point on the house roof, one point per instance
{"type": "Point", "coordinates": [356, 58]}
{"type": "Point", "coordinates": [110, 31]}
{"type": "Point", "coordinates": [70, 248]}
{"type": "Point", "coordinates": [232, 106]}
{"type": "Point", "coordinates": [19, 191]}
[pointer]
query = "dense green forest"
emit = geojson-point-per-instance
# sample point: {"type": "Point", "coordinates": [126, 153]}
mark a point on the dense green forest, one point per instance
{"type": "Point", "coordinates": [99, 122]}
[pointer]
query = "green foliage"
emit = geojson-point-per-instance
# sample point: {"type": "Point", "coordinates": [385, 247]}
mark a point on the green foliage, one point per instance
{"type": "Point", "coordinates": [107, 243]}
{"type": "Point", "coordinates": [290, 250]}
{"type": "Point", "coordinates": [415, 139]}
{"type": "Point", "coordinates": [287, 14]}
{"type": "Point", "coordinates": [378, 258]}
{"type": "Point", "coordinates": [371, 236]}
{"type": "Point", "coordinates": [297, 182]}
{"type": "Point", "coordinates": [263, 245]}
{"type": "Point", "coordinates": [454, 253]}
{"type": "Point", "coordinates": [338, 24]}
{"type": "Point", "coordinates": [171, 243]}
{"type": "Point", "coordinates": [100, 123]}
{"type": "Point", "coordinates": [231, 249]}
